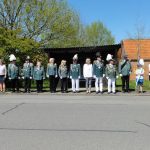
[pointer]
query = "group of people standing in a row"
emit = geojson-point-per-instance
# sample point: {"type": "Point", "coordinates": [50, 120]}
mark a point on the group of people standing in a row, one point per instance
{"type": "Point", "coordinates": [97, 70]}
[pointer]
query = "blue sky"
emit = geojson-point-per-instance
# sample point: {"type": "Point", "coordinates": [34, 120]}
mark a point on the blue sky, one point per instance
{"type": "Point", "coordinates": [119, 16]}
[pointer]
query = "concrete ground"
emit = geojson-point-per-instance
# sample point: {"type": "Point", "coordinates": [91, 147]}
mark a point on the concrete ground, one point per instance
{"type": "Point", "coordinates": [74, 122]}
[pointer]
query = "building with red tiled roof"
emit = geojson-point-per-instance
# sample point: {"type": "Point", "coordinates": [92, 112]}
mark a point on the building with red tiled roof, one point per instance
{"type": "Point", "coordinates": [135, 49]}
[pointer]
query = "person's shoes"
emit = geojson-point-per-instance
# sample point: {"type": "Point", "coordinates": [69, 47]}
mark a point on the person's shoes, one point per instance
{"type": "Point", "coordinates": [97, 92]}
{"type": "Point", "coordinates": [101, 92]}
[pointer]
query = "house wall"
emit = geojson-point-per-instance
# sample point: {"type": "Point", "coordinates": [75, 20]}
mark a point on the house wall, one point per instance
{"type": "Point", "coordinates": [134, 66]}
{"type": "Point", "coordinates": [135, 48]}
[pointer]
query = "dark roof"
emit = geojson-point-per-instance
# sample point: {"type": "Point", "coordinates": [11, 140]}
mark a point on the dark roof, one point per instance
{"type": "Point", "coordinates": [83, 49]}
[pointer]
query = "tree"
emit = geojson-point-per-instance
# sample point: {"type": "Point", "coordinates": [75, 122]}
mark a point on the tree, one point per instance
{"type": "Point", "coordinates": [27, 25]}
{"type": "Point", "coordinates": [12, 43]}
{"type": "Point", "coordinates": [97, 34]}
{"type": "Point", "coordinates": [63, 29]}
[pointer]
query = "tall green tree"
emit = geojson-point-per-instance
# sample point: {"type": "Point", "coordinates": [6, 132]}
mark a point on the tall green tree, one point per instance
{"type": "Point", "coordinates": [97, 34]}
{"type": "Point", "coordinates": [64, 28]}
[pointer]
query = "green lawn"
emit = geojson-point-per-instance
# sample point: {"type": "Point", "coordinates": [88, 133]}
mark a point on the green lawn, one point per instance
{"type": "Point", "coordinates": [146, 86]}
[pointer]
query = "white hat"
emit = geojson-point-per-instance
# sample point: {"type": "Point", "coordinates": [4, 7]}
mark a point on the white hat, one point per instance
{"type": "Point", "coordinates": [75, 57]}
{"type": "Point", "coordinates": [141, 62]}
{"type": "Point", "coordinates": [109, 57]}
{"type": "Point", "coordinates": [28, 57]}
{"type": "Point", "coordinates": [12, 57]}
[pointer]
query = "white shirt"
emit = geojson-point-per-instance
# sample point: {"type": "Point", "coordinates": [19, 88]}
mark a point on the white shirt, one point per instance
{"type": "Point", "coordinates": [87, 70]}
{"type": "Point", "coordinates": [139, 73]}
{"type": "Point", "coordinates": [3, 70]}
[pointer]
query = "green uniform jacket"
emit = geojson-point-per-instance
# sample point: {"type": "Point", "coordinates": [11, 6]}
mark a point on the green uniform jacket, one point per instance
{"type": "Point", "coordinates": [63, 72]}
{"type": "Point", "coordinates": [126, 69]}
{"type": "Point", "coordinates": [75, 71]}
{"type": "Point", "coordinates": [13, 71]}
{"type": "Point", "coordinates": [98, 69]}
{"type": "Point", "coordinates": [51, 70]}
{"type": "Point", "coordinates": [38, 74]}
{"type": "Point", "coordinates": [27, 71]}
{"type": "Point", "coordinates": [111, 72]}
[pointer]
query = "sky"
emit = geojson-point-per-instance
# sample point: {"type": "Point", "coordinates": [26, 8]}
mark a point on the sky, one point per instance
{"type": "Point", "coordinates": [121, 17]}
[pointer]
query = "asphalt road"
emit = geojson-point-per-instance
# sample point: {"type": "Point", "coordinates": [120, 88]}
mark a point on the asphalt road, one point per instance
{"type": "Point", "coordinates": [44, 122]}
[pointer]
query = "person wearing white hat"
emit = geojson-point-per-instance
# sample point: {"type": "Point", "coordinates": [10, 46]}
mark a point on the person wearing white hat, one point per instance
{"type": "Point", "coordinates": [75, 74]}
{"type": "Point", "coordinates": [111, 76]}
{"type": "Point", "coordinates": [140, 76]}
{"type": "Point", "coordinates": [13, 73]}
{"type": "Point", "coordinates": [27, 74]}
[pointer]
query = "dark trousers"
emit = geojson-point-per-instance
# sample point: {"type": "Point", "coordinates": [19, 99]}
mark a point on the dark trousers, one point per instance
{"type": "Point", "coordinates": [125, 83]}
{"type": "Point", "coordinates": [27, 84]}
{"type": "Point", "coordinates": [15, 85]}
{"type": "Point", "coordinates": [39, 85]}
{"type": "Point", "coordinates": [64, 85]}
{"type": "Point", "coordinates": [52, 83]}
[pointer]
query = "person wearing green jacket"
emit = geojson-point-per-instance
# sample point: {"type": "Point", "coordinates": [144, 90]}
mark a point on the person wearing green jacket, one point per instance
{"type": "Point", "coordinates": [75, 74]}
{"type": "Point", "coordinates": [13, 73]}
{"type": "Point", "coordinates": [111, 75]}
{"type": "Point", "coordinates": [98, 73]}
{"type": "Point", "coordinates": [27, 74]}
{"type": "Point", "coordinates": [125, 70]}
{"type": "Point", "coordinates": [39, 76]}
{"type": "Point", "coordinates": [52, 74]}
{"type": "Point", "coordinates": [63, 74]}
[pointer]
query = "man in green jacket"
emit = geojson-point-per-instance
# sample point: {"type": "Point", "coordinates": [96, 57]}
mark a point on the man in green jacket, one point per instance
{"type": "Point", "coordinates": [75, 74]}
{"type": "Point", "coordinates": [27, 74]}
{"type": "Point", "coordinates": [98, 73]}
{"type": "Point", "coordinates": [111, 75]}
{"type": "Point", "coordinates": [125, 70]}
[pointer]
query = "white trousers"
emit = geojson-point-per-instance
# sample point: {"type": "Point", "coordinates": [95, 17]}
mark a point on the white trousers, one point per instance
{"type": "Point", "coordinates": [99, 84]}
{"type": "Point", "coordinates": [75, 85]}
{"type": "Point", "coordinates": [111, 85]}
